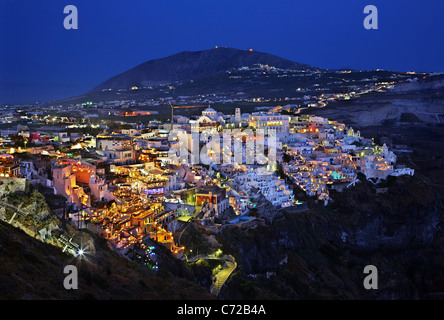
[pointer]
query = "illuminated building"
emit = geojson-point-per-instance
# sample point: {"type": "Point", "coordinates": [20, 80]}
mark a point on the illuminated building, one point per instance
{"type": "Point", "coordinates": [270, 121]}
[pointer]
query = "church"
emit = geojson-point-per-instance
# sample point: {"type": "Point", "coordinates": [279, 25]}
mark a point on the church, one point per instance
{"type": "Point", "coordinates": [211, 116]}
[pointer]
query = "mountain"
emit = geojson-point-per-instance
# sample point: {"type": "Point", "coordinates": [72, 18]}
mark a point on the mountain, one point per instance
{"type": "Point", "coordinates": [194, 65]}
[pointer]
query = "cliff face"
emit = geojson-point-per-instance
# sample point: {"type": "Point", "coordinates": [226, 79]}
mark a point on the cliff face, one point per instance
{"type": "Point", "coordinates": [417, 229]}
{"type": "Point", "coordinates": [431, 83]}
{"type": "Point", "coordinates": [321, 253]}
{"type": "Point", "coordinates": [375, 112]}
{"type": "Point", "coordinates": [407, 216]}
{"type": "Point", "coordinates": [419, 102]}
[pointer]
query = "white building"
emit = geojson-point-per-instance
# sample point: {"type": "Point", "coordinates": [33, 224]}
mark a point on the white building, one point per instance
{"type": "Point", "coordinates": [116, 149]}
{"type": "Point", "coordinates": [266, 121]}
{"type": "Point", "coordinates": [237, 115]}
{"type": "Point", "coordinates": [273, 188]}
{"type": "Point", "coordinates": [211, 116]}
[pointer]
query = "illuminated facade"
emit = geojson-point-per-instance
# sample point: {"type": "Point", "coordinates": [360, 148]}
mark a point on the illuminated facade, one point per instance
{"type": "Point", "coordinates": [64, 181]}
{"type": "Point", "coordinates": [280, 123]}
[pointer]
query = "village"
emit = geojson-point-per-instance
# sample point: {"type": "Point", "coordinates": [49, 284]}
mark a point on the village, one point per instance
{"type": "Point", "coordinates": [131, 187]}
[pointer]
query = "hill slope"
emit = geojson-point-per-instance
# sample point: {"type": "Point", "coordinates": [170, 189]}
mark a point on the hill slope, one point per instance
{"type": "Point", "coordinates": [193, 65]}
{"type": "Point", "coordinates": [31, 269]}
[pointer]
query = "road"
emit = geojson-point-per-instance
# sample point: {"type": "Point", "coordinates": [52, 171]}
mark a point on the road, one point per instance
{"type": "Point", "coordinates": [223, 276]}
{"type": "Point", "coordinates": [229, 266]}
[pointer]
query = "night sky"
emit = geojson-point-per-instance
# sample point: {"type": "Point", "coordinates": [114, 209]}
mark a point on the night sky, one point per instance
{"type": "Point", "coordinates": [40, 60]}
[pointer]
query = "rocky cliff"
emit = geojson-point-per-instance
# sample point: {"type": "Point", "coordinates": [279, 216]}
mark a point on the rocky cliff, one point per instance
{"type": "Point", "coordinates": [321, 253]}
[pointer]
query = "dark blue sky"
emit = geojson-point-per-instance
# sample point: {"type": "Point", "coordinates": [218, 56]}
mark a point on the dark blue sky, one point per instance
{"type": "Point", "coordinates": [40, 60]}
